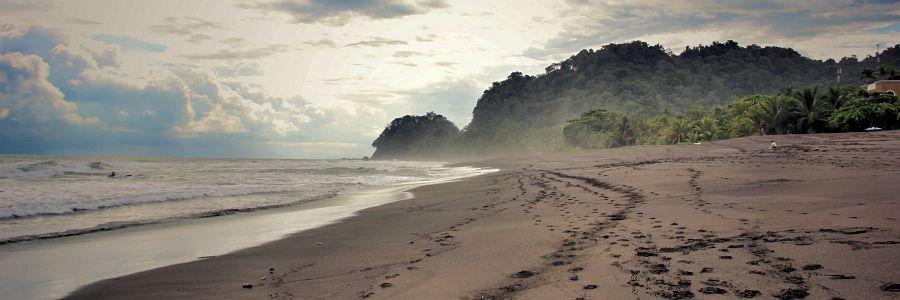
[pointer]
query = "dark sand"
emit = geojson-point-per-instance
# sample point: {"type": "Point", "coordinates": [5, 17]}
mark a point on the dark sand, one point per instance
{"type": "Point", "coordinates": [817, 218]}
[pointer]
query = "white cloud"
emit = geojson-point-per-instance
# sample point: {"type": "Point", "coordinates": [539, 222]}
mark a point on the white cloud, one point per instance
{"type": "Point", "coordinates": [253, 53]}
{"type": "Point", "coordinates": [24, 5]}
{"type": "Point", "coordinates": [108, 56]}
{"type": "Point", "coordinates": [241, 76]}
{"type": "Point", "coordinates": [216, 120]}
{"type": "Point", "coordinates": [186, 26]}
{"type": "Point", "coordinates": [239, 69]}
{"type": "Point", "coordinates": [25, 93]}
{"type": "Point", "coordinates": [183, 102]}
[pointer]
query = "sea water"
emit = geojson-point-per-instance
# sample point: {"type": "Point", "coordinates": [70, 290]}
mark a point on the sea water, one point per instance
{"type": "Point", "coordinates": [66, 222]}
{"type": "Point", "coordinates": [46, 196]}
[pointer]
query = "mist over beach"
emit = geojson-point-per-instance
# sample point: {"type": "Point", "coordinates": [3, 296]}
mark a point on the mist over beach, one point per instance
{"type": "Point", "coordinates": [432, 149]}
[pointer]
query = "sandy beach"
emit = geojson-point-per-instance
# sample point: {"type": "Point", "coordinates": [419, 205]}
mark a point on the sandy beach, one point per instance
{"type": "Point", "coordinates": [818, 218]}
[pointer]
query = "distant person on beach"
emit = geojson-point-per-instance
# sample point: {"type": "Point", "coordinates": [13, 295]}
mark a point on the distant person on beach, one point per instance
{"type": "Point", "coordinates": [773, 146]}
{"type": "Point", "coordinates": [112, 174]}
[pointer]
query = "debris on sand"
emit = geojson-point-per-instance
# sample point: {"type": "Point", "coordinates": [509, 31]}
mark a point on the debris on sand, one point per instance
{"type": "Point", "coordinates": [812, 267]}
{"type": "Point", "coordinates": [848, 231]}
{"type": "Point", "coordinates": [748, 293]}
{"type": "Point", "coordinates": [524, 274]}
{"type": "Point", "coordinates": [891, 287]}
{"type": "Point", "coordinates": [712, 290]}
{"type": "Point", "coordinates": [789, 294]}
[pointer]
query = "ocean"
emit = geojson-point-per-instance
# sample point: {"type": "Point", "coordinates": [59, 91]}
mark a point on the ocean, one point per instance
{"type": "Point", "coordinates": [44, 197]}
{"type": "Point", "coordinates": [66, 221]}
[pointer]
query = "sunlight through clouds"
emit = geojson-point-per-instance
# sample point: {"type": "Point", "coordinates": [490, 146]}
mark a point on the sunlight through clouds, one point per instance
{"type": "Point", "coordinates": [283, 73]}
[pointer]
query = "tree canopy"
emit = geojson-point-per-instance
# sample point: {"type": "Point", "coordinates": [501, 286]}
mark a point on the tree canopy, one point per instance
{"type": "Point", "coordinates": [416, 137]}
{"type": "Point", "coordinates": [636, 93]}
{"type": "Point", "coordinates": [789, 112]}
{"type": "Point", "coordinates": [642, 80]}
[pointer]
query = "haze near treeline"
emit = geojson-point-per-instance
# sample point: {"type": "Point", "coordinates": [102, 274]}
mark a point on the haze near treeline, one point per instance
{"type": "Point", "coordinates": [321, 79]}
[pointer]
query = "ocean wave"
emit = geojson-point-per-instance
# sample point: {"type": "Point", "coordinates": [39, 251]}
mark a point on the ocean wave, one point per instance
{"type": "Point", "coordinates": [342, 171]}
{"type": "Point", "coordinates": [48, 211]}
{"type": "Point", "coordinates": [122, 225]}
{"type": "Point", "coordinates": [69, 190]}
{"type": "Point", "coordinates": [74, 232]}
{"type": "Point", "coordinates": [364, 171]}
{"type": "Point", "coordinates": [99, 165]}
{"type": "Point", "coordinates": [51, 168]}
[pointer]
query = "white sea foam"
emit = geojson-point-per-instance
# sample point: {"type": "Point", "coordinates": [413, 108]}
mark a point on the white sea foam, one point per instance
{"type": "Point", "coordinates": [42, 196]}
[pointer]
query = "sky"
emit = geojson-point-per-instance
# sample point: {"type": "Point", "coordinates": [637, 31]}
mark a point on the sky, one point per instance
{"type": "Point", "coordinates": [321, 78]}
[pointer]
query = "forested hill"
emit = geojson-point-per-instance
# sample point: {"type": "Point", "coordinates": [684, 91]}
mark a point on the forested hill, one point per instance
{"type": "Point", "coordinates": [527, 112]}
{"type": "Point", "coordinates": [429, 136]}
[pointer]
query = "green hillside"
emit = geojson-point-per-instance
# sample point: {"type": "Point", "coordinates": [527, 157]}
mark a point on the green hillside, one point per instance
{"type": "Point", "coordinates": [527, 112]}
{"type": "Point", "coordinates": [636, 93]}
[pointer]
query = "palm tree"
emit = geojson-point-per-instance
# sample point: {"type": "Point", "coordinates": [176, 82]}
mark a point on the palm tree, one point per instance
{"type": "Point", "coordinates": [775, 115]}
{"type": "Point", "coordinates": [881, 71]}
{"type": "Point", "coordinates": [578, 132]}
{"type": "Point", "coordinates": [706, 128]}
{"type": "Point", "coordinates": [639, 131]}
{"type": "Point", "coordinates": [786, 91]}
{"type": "Point", "coordinates": [835, 97]}
{"type": "Point", "coordinates": [695, 113]}
{"type": "Point", "coordinates": [888, 72]}
{"type": "Point", "coordinates": [743, 125]}
{"type": "Point", "coordinates": [867, 73]}
{"type": "Point", "coordinates": [680, 129]}
{"type": "Point", "coordinates": [811, 108]}
{"type": "Point", "coordinates": [658, 126]}
{"type": "Point", "coordinates": [625, 129]}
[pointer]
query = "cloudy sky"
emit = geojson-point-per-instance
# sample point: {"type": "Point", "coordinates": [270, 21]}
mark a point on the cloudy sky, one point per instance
{"type": "Point", "coordinates": [321, 78]}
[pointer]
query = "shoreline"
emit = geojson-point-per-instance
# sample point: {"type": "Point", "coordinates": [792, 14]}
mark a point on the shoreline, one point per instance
{"type": "Point", "coordinates": [47, 197]}
{"type": "Point", "coordinates": [54, 267]}
{"type": "Point", "coordinates": [107, 227]}
{"type": "Point", "coordinates": [652, 222]}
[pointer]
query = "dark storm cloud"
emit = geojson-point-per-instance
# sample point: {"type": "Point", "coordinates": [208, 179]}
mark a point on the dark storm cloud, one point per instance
{"type": "Point", "coordinates": [337, 13]}
{"type": "Point", "coordinates": [602, 23]}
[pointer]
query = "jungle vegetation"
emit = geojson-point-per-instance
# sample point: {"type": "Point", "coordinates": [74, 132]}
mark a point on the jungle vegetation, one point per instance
{"type": "Point", "coordinates": [416, 137]}
{"type": "Point", "coordinates": [636, 93]}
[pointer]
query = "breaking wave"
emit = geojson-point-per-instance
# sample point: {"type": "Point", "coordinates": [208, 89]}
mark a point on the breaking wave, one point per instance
{"type": "Point", "coordinates": [63, 189]}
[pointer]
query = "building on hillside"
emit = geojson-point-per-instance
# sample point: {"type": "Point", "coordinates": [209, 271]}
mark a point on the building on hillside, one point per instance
{"type": "Point", "coordinates": [884, 86]}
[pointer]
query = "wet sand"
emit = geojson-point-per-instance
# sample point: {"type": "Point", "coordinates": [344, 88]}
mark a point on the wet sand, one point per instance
{"type": "Point", "coordinates": [818, 218]}
{"type": "Point", "coordinates": [52, 268]}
